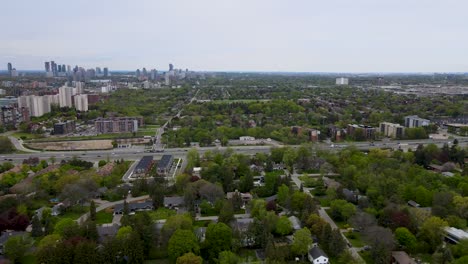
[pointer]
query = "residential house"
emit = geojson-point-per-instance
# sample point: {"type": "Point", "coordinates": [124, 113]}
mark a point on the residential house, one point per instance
{"type": "Point", "coordinates": [413, 204]}
{"type": "Point", "coordinates": [133, 207]}
{"type": "Point", "coordinates": [107, 231]}
{"type": "Point", "coordinates": [295, 222]}
{"type": "Point", "coordinates": [173, 201]}
{"type": "Point", "coordinates": [165, 164]}
{"type": "Point", "coordinates": [246, 197]}
{"type": "Point", "coordinates": [143, 167]}
{"type": "Point", "coordinates": [317, 256]}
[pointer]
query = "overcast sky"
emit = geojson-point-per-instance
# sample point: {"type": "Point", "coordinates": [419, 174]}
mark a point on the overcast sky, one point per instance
{"type": "Point", "coordinates": [238, 35]}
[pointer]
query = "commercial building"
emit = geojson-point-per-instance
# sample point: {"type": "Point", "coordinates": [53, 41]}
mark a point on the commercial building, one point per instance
{"type": "Point", "coordinates": [116, 125]}
{"type": "Point", "coordinates": [354, 131]}
{"type": "Point", "coordinates": [392, 130]}
{"type": "Point", "coordinates": [342, 81]}
{"type": "Point", "coordinates": [143, 167]}
{"type": "Point", "coordinates": [81, 102]}
{"type": "Point", "coordinates": [65, 96]}
{"type": "Point", "coordinates": [64, 127]}
{"type": "Point", "coordinates": [165, 164]}
{"type": "Point", "coordinates": [416, 121]}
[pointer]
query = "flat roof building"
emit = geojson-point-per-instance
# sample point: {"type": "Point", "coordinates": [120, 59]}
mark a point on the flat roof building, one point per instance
{"type": "Point", "coordinates": [392, 130]}
{"type": "Point", "coordinates": [416, 121]}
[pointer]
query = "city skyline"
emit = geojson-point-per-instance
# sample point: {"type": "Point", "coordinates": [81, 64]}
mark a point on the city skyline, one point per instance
{"type": "Point", "coordinates": [263, 36]}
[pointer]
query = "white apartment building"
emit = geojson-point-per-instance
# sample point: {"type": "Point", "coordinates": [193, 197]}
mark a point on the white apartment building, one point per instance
{"type": "Point", "coordinates": [81, 102]}
{"type": "Point", "coordinates": [342, 81]}
{"type": "Point", "coordinates": [65, 96]}
{"type": "Point", "coordinates": [37, 105]}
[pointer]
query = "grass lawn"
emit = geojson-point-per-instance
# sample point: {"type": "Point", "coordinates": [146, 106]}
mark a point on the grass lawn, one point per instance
{"type": "Point", "coordinates": [366, 256]}
{"type": "Point", "coordinates": [74, 212]}
{"type": "Point", "coordinates": [28, 259]}
{"type": "Point", "coordinates": [355, 239]}
{"type": "Point", "coordinates": [26, 136]}
{"type": "Point", "coordinates": [104, 217]}
{"type": "Point", "coordinates": [161, 213]}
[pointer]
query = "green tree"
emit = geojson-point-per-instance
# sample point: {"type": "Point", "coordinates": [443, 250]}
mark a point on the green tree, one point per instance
{"type": "Point", "coordinates": [181, 242]}
{"type": "Point", "coordinates": [189, 258]}
{"type": "Point", "coordinates": [257, 208]}
{"type": "Point", "coordinates": [67, 228]}
{"type": "Point", "coordinates": [36, 227]}
{"type": "Point", "coordinates": [218, 239]}
{"type": "Point", "coordinates": [432, 231]}
{"type": "Point", "coordinates": [92, 211]}
{"type": "Point", "coordinates": [289, 158]}
{"type": "Point", "coordinates": [226, 215]}
{"type": "Point", "coordinates": [228, 257]}
{"type": "Point", "coordinates": [86, 252]}
{"type": "Point", "coordinates": [17, 246]}
{"type": "Point", "coordinates": [302, 241]}
{"type": "Point", "coordinates": [342, 210]}
{"type": "Point", "coordinates": [124, 232]}
{"type": "Point", "coordinates": [283, 226]}
{"type": "Point", "coordinates": [405, 238]}
{"type": "Point", "coordinates": [5, 145]}
{"type": "Point", "coordinates": [336, 245]}
{"type": "Point", "coordinates": [283, 194]}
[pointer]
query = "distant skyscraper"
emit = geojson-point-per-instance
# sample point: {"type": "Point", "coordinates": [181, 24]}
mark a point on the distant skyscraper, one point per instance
{"type": "Point", "coordinates": [106, 72]}
{"type": "Point", "coordinates": [63, 68]}
{"type": "Point", "coordinates": [137, 74]}
{"type": "Point", "coordinates": [171, 67]}
{"type": "Point", "coordinates": [59, 68]}
{"type": "Point", "coordinates": [10, 68]}
{"type": "Point", "coordinates": [47, 66]}
{"type": "Point", "coordinates": [98, 70]}
{"type": "Point", "coordinates": [145, 73]}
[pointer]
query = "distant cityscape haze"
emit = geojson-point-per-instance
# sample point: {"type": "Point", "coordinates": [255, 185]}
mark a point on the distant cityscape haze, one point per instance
{"type": "Point", "coordinates": [302, 36]}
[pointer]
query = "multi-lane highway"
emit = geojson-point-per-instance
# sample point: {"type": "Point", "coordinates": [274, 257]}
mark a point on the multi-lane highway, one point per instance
{"type": "Point", "coordinates": [136, 153]}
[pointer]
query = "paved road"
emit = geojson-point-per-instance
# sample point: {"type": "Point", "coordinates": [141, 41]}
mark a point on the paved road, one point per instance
{"type": "Point", "coordinates": [106, 205]}
{"type": "Point", "coordinates": [136, 154]}
{"type": "Point", "coordinates": [210, 218]}
{"type": "Point", "coordinates": [323, 214]}
{"type": "Point", "coordinates": [18, 143]}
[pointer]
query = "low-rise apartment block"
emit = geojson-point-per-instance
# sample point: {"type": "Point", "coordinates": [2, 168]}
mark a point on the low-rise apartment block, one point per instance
{"type": "Point", "coordinates": [116, 125]}
{"type": "Point", "coordinates": [392, 130]}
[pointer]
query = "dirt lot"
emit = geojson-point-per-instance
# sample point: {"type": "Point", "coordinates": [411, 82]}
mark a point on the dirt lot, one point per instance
{"type": "Point", "coordinates": [73, 145]}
